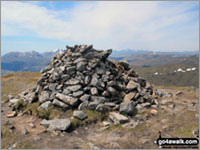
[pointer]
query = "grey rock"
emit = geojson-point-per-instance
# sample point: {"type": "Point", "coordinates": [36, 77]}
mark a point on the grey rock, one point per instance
{"type": "Point", "coordinates": [112, 91]}
{"type": "Point", "coordinates": [83, 105]}
{"type": "Point", "coordinates": [178, 93]}
{"type": "Point", "coordinates": [14, 100]}
{"type": "Point", "coordinates": [81, 66]}
{"type": "Point", "coordinates": [55, 76]}
{"type": "Point", "coordinates": [94, 81]}
{"type": "Point", "coordinates": [131, 124]}
{"type": "Point", "coordinates": [10, 97]}
{"type": "Point", "coordinates": [103, 108]}
{"type": "Point", "coordinates": [80, 115]}
{"type": "Point", "coordinates": [52, 86]}
{"type": "Point", "coordinates": [105, 93]}
{"type": "Point", "coordinates": [129, 96]}
{"type": "Point", "coordinates": [92, 105]}
{"type": "Point", "coordinates": [127, 107]}
{"type": "Point", "coordinates": [71, 70]}
{"type": "Point", "coordinates": [65, 77]}
{"type": "Point", "coordinates": [44, 96]}
{"type": "Point", "coordinates": [110, 104]}
{"type": "Point", "coordinates": [125, 64]}
{"type": "Point", "coordinates": [111, 84]}
{"type": "Point", "coordinates": [100, 71]}
{"type": "Point", "coordinates": [85, 97]}
{"type": "Point", "coordinates": [74, 88]}
{"type": "Point", "coordinates": [131, 85]}
{"type": "Point", "coordinates": [105, 78]}
{"type": "Point", "coordinates": [24, 131]}
{"type": "Point", "coordinates": [87, 89]}
{"type": "Point", "coordinates": [164, 101]}
{"type": "Point", "coordinates": [60, 104]}
{"type": "Point", "coordinates": [101, 84]}
{"type": "Point", "coordinates": [67, 99]}
{"type": "Point", "coordinates": [139, 107]}
{"type": "Point", "coordinates": [77, 93]}
{"type": "Point", "coordinates": [146, 104]}
{"type": "Point", "coordinates": [85, 50]}
{"type": "Point", "coordinates": [118, 118]}
{"type": "Point", "coordinates": [59, 87]}
{"type": "Point", "coordinates": [44, 105]}
{"type": "Point", "coordinates": [31, 125]}
{"type": "Point", "coordinates": [80, 59]}
{"type": "Point", "coordinates": [66, 91]}
{"type": "Point", "coordinates": [93, 64]}
{"type": "Point", "coordinates": [106, 53]}
{"type": "Point", "coordinates": [87, 80]}
{"type": "Point", "coordinates": [40, 81]}
{"type": "Point", "coordinates": [99, 99]}
{"type": "Point", "coordinates": [94, 91]}
{"type": "Point", "coordinates": [72, 82]}
{"type": "Point", "coordinates": [45, 69]}
{"type": "Point", "coordinates": [196, 133]}
{"type": "Point", "coordinates": [161, 93]}
{"type": "Point", "coordinates": [56, 124]}
{"type": "Point", "coordinates": [76, 54]}
{"type": "Point", "coordinates": [30, 97]}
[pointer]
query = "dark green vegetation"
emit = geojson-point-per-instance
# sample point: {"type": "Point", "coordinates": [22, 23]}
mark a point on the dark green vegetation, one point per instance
{"type": "Point", "coordinates": [171, 78]}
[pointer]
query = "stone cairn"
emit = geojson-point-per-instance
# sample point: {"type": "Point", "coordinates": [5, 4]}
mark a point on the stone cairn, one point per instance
{"type": "Point", "coordinates": [84, 78]}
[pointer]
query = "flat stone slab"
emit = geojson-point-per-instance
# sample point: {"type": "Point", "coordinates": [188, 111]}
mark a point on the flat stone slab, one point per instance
{"type": "Point", "coordinates": [67, 99]}
{"type": "Point", "coordinates": [118, 118]}
{"type": "Point", "coordinates": [56, 124]}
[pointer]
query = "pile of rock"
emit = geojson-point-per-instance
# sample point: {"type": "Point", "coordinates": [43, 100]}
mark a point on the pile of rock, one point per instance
{"type": "Point", "coordinates": [83, 78]}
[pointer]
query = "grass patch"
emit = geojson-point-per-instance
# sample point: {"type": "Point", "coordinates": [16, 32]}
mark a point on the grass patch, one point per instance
{"type": "Point", "coordinates": [118, 127]}
{"type": "Point", "coordinates": [75, 123]}
{"type": "Point", "coordinates": [17, 82]}
{"type": "Point", "coordinates": [55, 112]}
{"type": "Point", "coordinates": [115, 126]}
{"type": "Point", "coordinates": [139, 128]}
{"type": "Point", "coordinates": [188, 123]}
{"type": "Point", "coordinates": [20, 105]}
{"type": "Point", "coordinates": [32, 109]}
{"type": "Point", "coordinates": [8, 138]}
{"type": "Point", "coordinates": [95, 115]}
{"type": "Point", "coordinates": [52, 113]}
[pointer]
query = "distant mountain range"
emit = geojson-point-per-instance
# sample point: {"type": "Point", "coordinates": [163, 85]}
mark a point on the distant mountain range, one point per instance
{"type": "Point", "coordinates": [34, 61]}
{"type": "Point", "coordinates": [28, 61]}
{"type": "Point", "coordinates": [160, 68]}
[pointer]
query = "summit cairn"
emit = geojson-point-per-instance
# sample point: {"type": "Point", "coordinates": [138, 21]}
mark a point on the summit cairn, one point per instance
{"type": "Point", "coordinates": [84, 78]}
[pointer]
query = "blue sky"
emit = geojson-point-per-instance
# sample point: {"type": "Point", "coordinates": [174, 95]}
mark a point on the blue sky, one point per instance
{"type": "Point", "coordinates": [47, 25]}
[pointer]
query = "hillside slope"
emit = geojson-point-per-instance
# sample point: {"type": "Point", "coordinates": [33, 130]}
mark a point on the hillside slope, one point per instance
{"type": "Point", "coordinates": [177, 73]}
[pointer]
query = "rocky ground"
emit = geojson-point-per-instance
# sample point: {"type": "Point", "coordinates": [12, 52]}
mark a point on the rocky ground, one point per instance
{"type": "Point", "coordinates": [175, 116]}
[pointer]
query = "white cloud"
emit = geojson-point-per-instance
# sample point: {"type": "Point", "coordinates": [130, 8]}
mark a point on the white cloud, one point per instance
{"type": "Point", "coordinates": [118, 25]}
